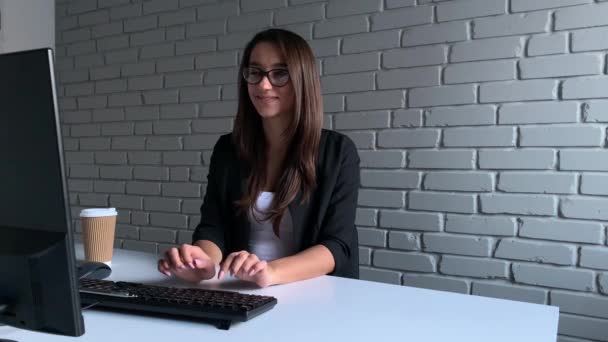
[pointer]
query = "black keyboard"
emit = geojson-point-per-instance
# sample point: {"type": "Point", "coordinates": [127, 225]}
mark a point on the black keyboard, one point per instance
{"type": "Point", "coordinates": [214, 306]}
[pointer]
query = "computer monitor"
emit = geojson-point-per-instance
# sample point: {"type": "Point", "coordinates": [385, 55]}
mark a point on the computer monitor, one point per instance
{"type": "Point", "coordinates": [38, 282]}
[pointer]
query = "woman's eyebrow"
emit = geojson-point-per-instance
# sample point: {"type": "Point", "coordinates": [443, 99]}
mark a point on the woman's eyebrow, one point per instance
{"type": "Point", "coordinates": [272, 65]}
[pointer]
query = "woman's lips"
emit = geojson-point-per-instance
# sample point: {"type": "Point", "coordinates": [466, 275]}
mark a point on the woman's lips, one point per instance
{"type": "Point", "coordinates": [266, 99]}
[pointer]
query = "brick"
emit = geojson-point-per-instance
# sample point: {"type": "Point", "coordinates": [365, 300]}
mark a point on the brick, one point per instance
{"type": "Point", "coordinates": [594, 257]}
{"type": "Point", "coordinates": [543, 252]}
{"type": "Point", "coordinates": [482, 225]}
{"type": "Point", "coordinates": [338, 8]}
{"type": "Point", "coordinates": [156, 6]}
{"type": "Point", "coordinates": [169, 220]}
{"type": "Point", "coordinates": [386, 99]}
{"type": "Point", "coordinates": [399, 3]}
{"type": "Point", "coordinates": [436, 33]}
{"type": "Point", "coordinates": [372, 41]}
{"type": "Point", "coordinates": [603, 282]}
{"type": "Point", "coordinates": [208, 28]}
{"type": "Point", "coordinates": [510, 292]}
{"type": "Point", "coordinates": [181, 190]}
{"type": "Point", "coordinates": [94, 144]}
{"type": "Point", "coordinates": [382, 159]}
{"type": "Point", "coordinates": [200, 142]}
{"type": "Point", "coordinates": [114, 86]}
{"type": "Point", "coordinates": [481, 136]}
{"type": "Point", "coordinates": [81, 48]}
{"type": "Point", "coordinates": [182, 158]}
{"type": "Point", "coordinates": [93, 200]}
{"type": "Point", "coordinates": [145, 158]}
{"type": "Point", "coordinates": [156, 51]}
{"type": "Point", "coordinates": [409, 78]}
{"type": "Point", "coordinates": [441, 96]}
{"type": "Point", "coordinates": [366, 217]}
{"type": "Point", "coordinates": [439, 283]}
{"type": "Point", "coordinates": [179, 111]}
{"type": "Point", "coordinates": [525, 6]}
{"type": "Point", "coordinates": [511, 25]}
{"type": "Point", "coordinates": [365, 258]}
{"type": "Point", "coordinates": [411, 220]}
{"type": "Point", "coordinates": [515, 91]}
{"type": "Point", "coordinates": [325, 47]}
{"type": "Point", "coordinates": [256, 5]}
{"type": "Point", "coordinates": [594, 39]}
{"type": "Point", "coordinates": [562, 65]}
{"type": "Point", "coordinates": [461, 116]}
{"type": "Point", "coordinates": [111, 158]}
{"type": "Point", "coordinates": [588, 208]}
{"type": "Point", "coordinates": [474, 267]}
{"type": "Point", "coordinates": [459, 181]}
{"type": "Point", "coordinates": [126, 202]}
{"type": "Point", "coordinates": [569, 18]}
{"type": "Point", "coordinates": [199, 94]}
{"type": "Point", "coordinates": [352, 63]}
{"type": "Point", "coordinates": [398, 18]}
{"type": "Point", "coordinates": [108, 115]}
{"type": "Point", "coordinates": [299, 14]}
{"type": "Point", "coordinates": [212, 125]}
{"type": "Point", "coordinates": [480, 71]}
{"type": "Point", "coordinates": [584, 160]}
{"type": "Point", "coordinates": [539, 112]}
{"type": "Point", "coordinates": [586, 327]}
{"type": "Point", "coordinates": [456, 244]}
{"type": "Point", "coordinates": [175, 64]}
{"type": "Point", "coordinates": [491, 48]}
{"type": "Point", "coordinates": [143, 113]}
{"type": "Point", "coordinates": [150, 173]}
{"type": "Point", "coordinates": [127, 231]}
{"type": "Point", "coordinates": [437, 201]}
{"type": "Point", "coordinates": [390, 179]}
{"type": "Point", "coordinates": [404, 240]}
{"type": "Point", "coordinates": [531, 182]}
{"type": "Point", "coordinates": [416, 56]}
{"type": "Point", "coordinates": [114, 129]}
{"type": "Point", "coordinates": [160, 97]}
{"type": "Point", "coordinates": [441, 159]}
{"type": "Point", "coordinates": [341, 26]}
{"type": "Point", "coordinates": [562, 230]}
{"type": "Point", "coordinates": [404, 261]}
{"type": "Point", "coordinates": [556, 277]}
{"type": "Point", "coordinates": [585, 87]}
{"type": "Point", "coordinates": [382, 276]}
{"type": "Point", "coordinates": [85, 130]}
{"type": "Point", "coordinates": [246, 22]}
{"type": "Point", "coordinates": [578, 303]}
{"type": "Point", "coordinates": [475, 8]}
{"type": "Point", "coordinates": [372, 237]}
{"type": "Point", "coordinates": [407, 118]}
{"type": "Point", "coordinates": [404, 138]}
{"type": "Point", "coordinates": [543, 205]}
{"type": "Point", "coordinates": [548, 44]}
{"type": "Point", "coordinates": [162, 204]}
{"type": "Point", "coordinates": [143, 188]}
{"type": "Point", "coordinates": [221, 10]}
{"type": "Point", "coordinates": [362, 120]}
{"type": "Point", "coordinates": [517, 159]}
{"type": "Point", "coordinates": [347, 83]}
{"type": "Point", "coordinates": [128, 143]}
{"type": "Point", "coordinates": [215, 60]}
{"type": "Point", "coordinates": [594, 184]}
{"type": "Point", "coordinates": [381, 198]}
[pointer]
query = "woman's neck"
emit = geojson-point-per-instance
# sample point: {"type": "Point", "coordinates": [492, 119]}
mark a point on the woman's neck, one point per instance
{"type": "Point", "coordinates": [274, 130]}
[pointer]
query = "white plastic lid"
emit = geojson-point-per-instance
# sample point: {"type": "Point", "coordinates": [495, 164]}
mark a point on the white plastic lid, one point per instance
{"type": "Point", "coordinates": [98, 212]}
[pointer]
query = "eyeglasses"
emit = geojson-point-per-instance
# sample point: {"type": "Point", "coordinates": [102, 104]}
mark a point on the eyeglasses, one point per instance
{"type": "Point", "coordinates": [277, 77]}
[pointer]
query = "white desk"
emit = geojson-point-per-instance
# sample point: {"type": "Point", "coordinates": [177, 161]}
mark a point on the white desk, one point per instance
{"type": "Point", "coordinates": [322, 309]}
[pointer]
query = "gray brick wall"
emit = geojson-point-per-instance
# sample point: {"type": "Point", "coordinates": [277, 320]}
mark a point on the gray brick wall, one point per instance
{"type": "Point", "coordinates": [481, 126]}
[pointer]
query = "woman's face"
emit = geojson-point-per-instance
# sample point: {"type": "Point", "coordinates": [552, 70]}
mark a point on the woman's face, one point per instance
{"type": "Point", "coordinates": [269, 100]}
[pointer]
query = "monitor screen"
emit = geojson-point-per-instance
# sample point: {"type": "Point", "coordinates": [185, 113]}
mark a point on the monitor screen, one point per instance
{"type": "Point", "coordinates": [38, 285]}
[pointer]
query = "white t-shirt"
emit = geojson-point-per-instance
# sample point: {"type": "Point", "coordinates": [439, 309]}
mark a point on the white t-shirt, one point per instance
{"type": "Point", "coordinates": [263, 241]}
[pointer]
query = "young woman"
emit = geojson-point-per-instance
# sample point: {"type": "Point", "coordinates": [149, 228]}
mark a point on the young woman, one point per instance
{"type": "Point", "coordinates": [281, 192]}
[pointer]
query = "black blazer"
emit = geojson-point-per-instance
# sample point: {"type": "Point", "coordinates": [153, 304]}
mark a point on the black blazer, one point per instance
{"type": "Point", "coordinates": [328, 218]}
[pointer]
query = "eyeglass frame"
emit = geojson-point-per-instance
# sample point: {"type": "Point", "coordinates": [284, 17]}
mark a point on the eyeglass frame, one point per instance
{"type": "Point", "coordinates": [265, 74]}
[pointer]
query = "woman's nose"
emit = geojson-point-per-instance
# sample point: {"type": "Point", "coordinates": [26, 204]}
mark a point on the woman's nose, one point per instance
{"type": "Point", "coordinates": [265, 83]}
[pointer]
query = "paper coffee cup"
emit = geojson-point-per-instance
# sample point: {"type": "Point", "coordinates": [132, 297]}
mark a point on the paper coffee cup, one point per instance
{"type": "Point", "coordinates": [98, 227]}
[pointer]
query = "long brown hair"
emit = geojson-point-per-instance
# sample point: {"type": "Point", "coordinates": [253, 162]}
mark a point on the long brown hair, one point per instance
{"type": "Point", "coordinates": [303, 132]}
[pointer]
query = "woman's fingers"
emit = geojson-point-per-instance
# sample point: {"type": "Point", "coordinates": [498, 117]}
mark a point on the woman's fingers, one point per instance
{"type": "Point", "coordinates": [257, 267]}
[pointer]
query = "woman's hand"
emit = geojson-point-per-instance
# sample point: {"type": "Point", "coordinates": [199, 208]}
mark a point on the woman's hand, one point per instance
{"type": "Point", "coordinates": [188, 262]}
{"type": "Point", "coordinates": [248, 267]}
